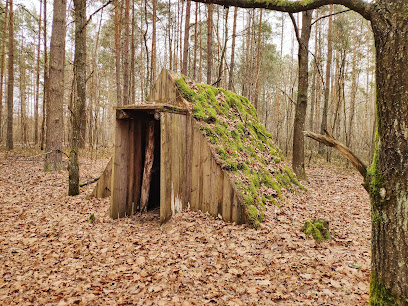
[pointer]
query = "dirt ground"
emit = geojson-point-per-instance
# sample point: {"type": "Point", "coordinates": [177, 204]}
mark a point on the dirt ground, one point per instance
{"type": "Point", "coordinates": [50, 254]}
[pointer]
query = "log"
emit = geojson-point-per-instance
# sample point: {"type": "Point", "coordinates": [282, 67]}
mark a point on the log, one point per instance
{"type": "Point", "coordinates": [147, 171]}
{"type": "Point", "coordinates": [330, 141]}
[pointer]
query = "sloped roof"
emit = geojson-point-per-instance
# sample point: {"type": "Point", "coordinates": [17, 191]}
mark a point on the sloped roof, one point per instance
{"type": "Point", "coordinates": [240, 144]}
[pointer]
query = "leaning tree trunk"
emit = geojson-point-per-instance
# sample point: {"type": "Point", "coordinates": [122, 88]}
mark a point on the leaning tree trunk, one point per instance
{"type": "Point", "coordinates": [389, 172]}
{"type": "Point", "coordinates": [301, 104]}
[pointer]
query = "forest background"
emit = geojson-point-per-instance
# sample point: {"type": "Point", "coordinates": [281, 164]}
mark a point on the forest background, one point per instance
{"type": "Point", "coordinates": [251, 52]}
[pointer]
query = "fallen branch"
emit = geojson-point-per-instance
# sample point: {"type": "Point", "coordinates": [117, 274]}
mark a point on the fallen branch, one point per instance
{"type": "Point", "coordinates": [330, 141]}
{"type": "Point", "coordinates": [91, 181]}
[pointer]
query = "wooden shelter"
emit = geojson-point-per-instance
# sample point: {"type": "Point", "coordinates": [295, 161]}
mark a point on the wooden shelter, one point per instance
{"type": "Point", "coordinates": [162, 159]}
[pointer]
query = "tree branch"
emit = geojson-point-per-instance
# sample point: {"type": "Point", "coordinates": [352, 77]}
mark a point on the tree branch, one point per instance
{"type": "Point", "coordinates": [363, 8]}
{"type": "Point", "coordinates": [329, 141]}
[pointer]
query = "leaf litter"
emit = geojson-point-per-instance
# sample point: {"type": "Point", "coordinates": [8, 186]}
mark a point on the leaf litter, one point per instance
{"type": "Point", "coordinates": [51, 254]}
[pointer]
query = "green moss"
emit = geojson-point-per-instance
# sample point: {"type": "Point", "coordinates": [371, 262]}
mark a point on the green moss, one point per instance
{"type": "Point", "coordinates": [253, 216]}
{"type": "Point", "coordinates": [318, 229]}
{"type": "Point", "coordinates": [230, 122]}
{"type": "Point", "coordinates": [374, 178]}
{"type": "Point", "coordinates": [380, 295]}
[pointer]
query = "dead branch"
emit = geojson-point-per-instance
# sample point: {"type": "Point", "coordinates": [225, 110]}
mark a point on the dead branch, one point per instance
{"type": "Point", "coordinates": [90, 182]}
{"type": "Point", "coordinates": [330, 141]}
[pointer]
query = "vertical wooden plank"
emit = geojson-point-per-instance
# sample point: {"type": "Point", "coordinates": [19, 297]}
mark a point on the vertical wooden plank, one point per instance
{"type": "Point", "coordinates": [138, 163]}
{"type": "Point", "coordinates": [195, 171]}
{"type": "Point", "coordinates": [236, 209]}
{"type": "Point", "coordinates": [219, 189]}
{"type": "Point", "coordinates": [183, 159]}
{"type": "Point", "coordinates": [175, 164]}
{"type": "Point", "coordinates": [213, 206]}
{"type": "Point", "coordinates": [120, 170]}
{"type": "Point", "coordinates": [227, 199]}
{"type": "Point", "coordinates": [188, 161]}
{"type": "Point", "coordinates": [165, 168]}
{"type": "Point", "coordinates": [131, 167]}
{"type": "Point", "coordinates": [206, 164]}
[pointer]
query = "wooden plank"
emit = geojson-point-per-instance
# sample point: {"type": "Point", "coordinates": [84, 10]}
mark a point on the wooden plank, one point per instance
{"type": "Point", "coordinates": [195, 170]}
{"type": "Point", "coordinates": [131, 167]}
{"type": "Point", "coordinates": [138, 163]}
{"type": "Point", "coordinates": [103, 186]}
{"type": "Point", "coordinates": [236, 209]}
{"type": "Point", "coordinates": [189, 160]}
{"type": "Point", "coordinates": [206, 164]}
{"type": "Point", "coordinates": [165, 168]}
{"type": "Point", "coordinates": [183, 159]}
{"type": "Point", "coordinates": [213, 206]}
{"type": "Point", "coordinates": [120, 170]}
{"type": "Point", "coordinates": [176, 204]}
{"type": "Point", "coordinates": [227, 199]}
{"type": "Point", "coordinates": [219, 189]}
{"type": "Point", "coordinates": [147, 171]}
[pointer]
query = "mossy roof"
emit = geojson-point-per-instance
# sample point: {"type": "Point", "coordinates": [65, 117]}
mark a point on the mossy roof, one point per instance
{"type": "Point", "coordinates": [240, 144]}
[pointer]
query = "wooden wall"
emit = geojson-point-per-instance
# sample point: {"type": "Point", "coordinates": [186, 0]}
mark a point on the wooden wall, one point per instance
{"type": "Point", "coordinates": [190, 176]}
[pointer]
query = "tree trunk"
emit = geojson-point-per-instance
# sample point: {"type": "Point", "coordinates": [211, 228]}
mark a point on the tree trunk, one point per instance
{"type": "Point", "coordinates": [79, 101]}
{"type": "Point", "coordinates": [389, 171]}
{"type": "Point", "coordinates": [258, 62]}
{"type": "Point", "coordinates": [126, 54]}
{"type": "Point", "coordinates": [209, 42]}
{"type": "Point", "coordinates": [10, 84]}
{"type": "Point", "coordinates": [55, 127]}
{"type": "Point", "coordinates": [232, 65]}
{"type": "Point", "coordinates": [3, 64]}
{"type": "Point", "coordinates": [37, 83]}
{"type": "Point", "coordinates": [132, 59]}
{"type": "Point", "coordinates": [298, 161]}
{"type": "Point", "coordinates": [186, 38]}
{"type": "Point", "coordinates": [117, 53]}
{"type": "Point", "coordinates": [195, 42]}
{"type": "Point", "coordinates": [153, 63]}
{"type": "Point", "coordinates": [323, 126]}
{"type": "Point", "coordinates": [46, 78]}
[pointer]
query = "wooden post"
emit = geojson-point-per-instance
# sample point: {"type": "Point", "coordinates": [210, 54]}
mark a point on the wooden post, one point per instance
{"type": "Point", "coordinates": [138, 163]}
{"type": "Point", "coordinates": [147, 172]}
{"type": "Point", "coordinates": [131, 175]}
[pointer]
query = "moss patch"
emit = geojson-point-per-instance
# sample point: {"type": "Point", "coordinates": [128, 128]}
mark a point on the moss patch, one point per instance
{"type": "Point", "coordinates": [241, 145]}
{"type": "Point", "coordinates": [379, 295]}
{"type": "Point", "coordinates": [318, 229]}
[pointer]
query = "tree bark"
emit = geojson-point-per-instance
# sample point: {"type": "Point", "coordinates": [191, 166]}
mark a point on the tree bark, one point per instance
{"type": "Point", "coordinates": [37, 83]}
{"type": "Point", "coordinates": [10, 81]}
{"type": "Point", "coordinates": [323, 126]}
{"type": "Point", "coordinates": [3, 64]}
{"type": "Point", "coordinates": [153, 63]}
{"type": "Point", "coordinates": [258, 62]}
{"type": "Point", "coordinates": [298, 161]}
{"type": "Point", "coordinates": [232, 65]}
{"type": "Point", "coordinates": [209, 42]}
{"type": "Point", "coordinates": [46, 78]}
{"type": "Point", "coordinates": [55, 127]}
{"type": "Point", "coordinates": [126, 54]}
{"type": "Point", "coordinates": [79, 102]}
{"type": "Point", "coordinates": [117, 53]}
{"type": "Point", "coordinates": [195, 42]}
{"type": "Point", "coordinates": [186, 38]}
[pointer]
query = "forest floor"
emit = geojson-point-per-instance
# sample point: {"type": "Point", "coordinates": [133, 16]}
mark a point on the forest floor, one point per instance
{"type": "Point", "coordinates": [50, 254]}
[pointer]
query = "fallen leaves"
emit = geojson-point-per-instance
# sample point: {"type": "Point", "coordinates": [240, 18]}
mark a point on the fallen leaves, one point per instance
{"type": "Point", "coordinates": [51, 254]}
